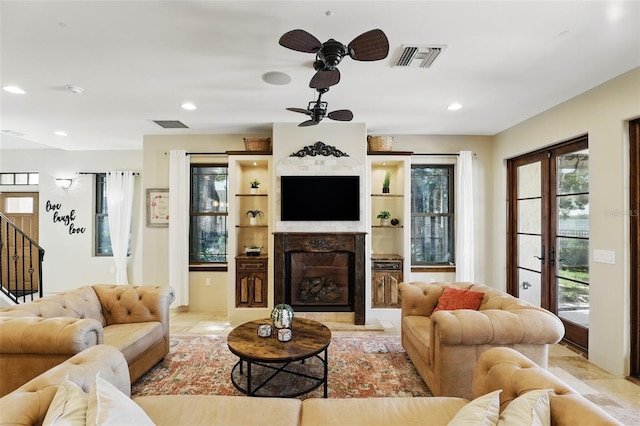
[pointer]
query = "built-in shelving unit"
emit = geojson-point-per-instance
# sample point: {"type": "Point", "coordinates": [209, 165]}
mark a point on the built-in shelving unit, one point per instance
{"type": "Point", "coordinates": [250, 220]}
{"type": "Point", "coordinates": [389, 240]}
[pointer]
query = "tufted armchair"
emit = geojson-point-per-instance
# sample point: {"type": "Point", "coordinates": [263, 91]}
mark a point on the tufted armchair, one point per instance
{"type": "Point", "coordinates": [38, 335]}
{"type": "Point", "coordinates": [444, 346]}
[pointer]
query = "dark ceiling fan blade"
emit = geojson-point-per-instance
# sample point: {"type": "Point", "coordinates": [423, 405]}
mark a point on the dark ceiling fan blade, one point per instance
{"type": "Point", "coordinates": [370, 46]}
{"type": "Point", "coordinates": [307, 123]}
{"type": "Point", "coordinates": [301, 41]}
{"type": "Point", "coordinates": [341, 115]}
{"type": "Point", "coordinates": [324, 79]}
{"type": "Point", "coordinates": [300, 110]}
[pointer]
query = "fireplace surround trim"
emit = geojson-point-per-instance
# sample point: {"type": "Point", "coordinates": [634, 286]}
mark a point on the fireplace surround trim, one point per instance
{"type": "Point", "coordinates": [321, 242]}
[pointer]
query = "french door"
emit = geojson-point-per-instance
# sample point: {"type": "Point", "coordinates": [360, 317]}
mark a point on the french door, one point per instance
{"type": "Point", "coordinates": [548, 233]}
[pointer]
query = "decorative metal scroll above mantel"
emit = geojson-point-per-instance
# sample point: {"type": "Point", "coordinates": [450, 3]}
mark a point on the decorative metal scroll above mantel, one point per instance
{"type": "Point", "coordinates": [319, 148]}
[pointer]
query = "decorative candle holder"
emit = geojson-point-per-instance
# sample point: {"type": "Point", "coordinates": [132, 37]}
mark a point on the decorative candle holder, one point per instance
{"type": "Point", "coordinates": [284, 334]}
{"type": "Point", "coordinates": [264, 330]}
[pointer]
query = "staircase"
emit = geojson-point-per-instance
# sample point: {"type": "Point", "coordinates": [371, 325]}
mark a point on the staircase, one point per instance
{"type": "Point", "coordinates": [20, 263]}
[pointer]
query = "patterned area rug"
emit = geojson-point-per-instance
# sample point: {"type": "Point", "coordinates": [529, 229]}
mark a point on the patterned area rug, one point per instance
{"type": "Point", "coordinates": [359, 367]}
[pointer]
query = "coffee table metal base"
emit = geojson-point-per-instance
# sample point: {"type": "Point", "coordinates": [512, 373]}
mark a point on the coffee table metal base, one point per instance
{"type": "Point", "coordinates": [260, 377]}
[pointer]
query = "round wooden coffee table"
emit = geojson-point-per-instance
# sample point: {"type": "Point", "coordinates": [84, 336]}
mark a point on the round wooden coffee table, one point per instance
{"type": "Point", "coordinates": [275, 368]}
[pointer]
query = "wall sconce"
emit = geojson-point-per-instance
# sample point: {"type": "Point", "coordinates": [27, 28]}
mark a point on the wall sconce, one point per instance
{"type": "Point", "coordinates": [64, 183]}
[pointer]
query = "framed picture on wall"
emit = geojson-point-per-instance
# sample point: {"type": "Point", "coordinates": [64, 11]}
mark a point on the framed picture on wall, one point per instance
{"type": "Point", "coordinates": [157, 207]}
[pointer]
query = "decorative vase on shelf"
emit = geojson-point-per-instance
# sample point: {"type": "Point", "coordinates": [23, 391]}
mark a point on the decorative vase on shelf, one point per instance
{"type": "Point", "coordinates": [254, 190]}
{"type": "Point", "coordinates": [384, 222]}
{"type": "Point", "coordinates": [282, 315]}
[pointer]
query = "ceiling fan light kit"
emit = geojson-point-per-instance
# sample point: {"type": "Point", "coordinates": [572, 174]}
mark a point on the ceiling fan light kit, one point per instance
{"type": "Point", "coordinates": [372, 45]}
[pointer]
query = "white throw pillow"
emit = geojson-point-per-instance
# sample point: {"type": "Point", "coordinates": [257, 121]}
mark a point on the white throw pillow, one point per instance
{"type": "Point", "coordinates": [68, 406]}
{"type": "Point", "coordinates": [109, 406]}
{"type": "Point", "coordinates": [482, 411]}
{"type": "Point", "coordinates": [532, 408]}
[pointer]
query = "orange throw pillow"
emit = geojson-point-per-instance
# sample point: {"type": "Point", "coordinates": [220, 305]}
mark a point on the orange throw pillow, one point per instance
{"type": "Point", "coordinates": [453, 298]}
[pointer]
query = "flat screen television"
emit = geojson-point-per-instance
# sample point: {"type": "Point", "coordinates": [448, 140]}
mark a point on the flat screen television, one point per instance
{"type": "Point", "coordinates": [321, 198]}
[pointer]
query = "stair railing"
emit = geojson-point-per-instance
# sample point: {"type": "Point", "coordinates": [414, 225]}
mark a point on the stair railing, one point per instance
{"type": "Point", "coordinates": [20, 277]}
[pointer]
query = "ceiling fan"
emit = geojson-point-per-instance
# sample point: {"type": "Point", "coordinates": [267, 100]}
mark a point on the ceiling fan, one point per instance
{"type": "Point", "coordinates": [369, 46]}
{"type": "Point", "coordinates": [318, 109]}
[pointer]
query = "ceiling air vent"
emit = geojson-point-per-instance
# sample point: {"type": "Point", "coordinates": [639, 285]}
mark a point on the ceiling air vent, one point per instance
{"type": "Point", "coordinates": [425, 54]}
{"type": "Point", "coordinates": [170, 124]}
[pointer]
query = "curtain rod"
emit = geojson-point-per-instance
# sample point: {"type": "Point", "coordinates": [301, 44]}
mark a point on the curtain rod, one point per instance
{"type": "Point", "coordinates": [202, 153]}
{"type": "Point", "coordinates": [436, 154]}
{"type": "Point", "coordinates": [101, 173]}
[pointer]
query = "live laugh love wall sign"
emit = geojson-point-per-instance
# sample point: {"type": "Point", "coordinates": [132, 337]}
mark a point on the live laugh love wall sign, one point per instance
{"type": "Point", "coordinates": [67, 219]}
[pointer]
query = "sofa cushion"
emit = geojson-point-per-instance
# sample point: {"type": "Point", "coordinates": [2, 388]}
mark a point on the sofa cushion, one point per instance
{"type": "Point", "coordinates": [68, 407]}
{"type": "Point", "coordinates": [379, 411]}
{"type": "Point", "coordinates": [108, 406]}
{"type": "Point", "coordinates": [195, 410]}
{"type": "Point", "coordinates": [455, 298]}
{"type": "Point", "coordinates": [482, 411]}
{"type": "Point", "coordinates": [133, 339]}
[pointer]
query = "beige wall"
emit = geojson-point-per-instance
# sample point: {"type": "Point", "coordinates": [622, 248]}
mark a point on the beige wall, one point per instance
{"type": "Point", "coordinates": [602, 113]}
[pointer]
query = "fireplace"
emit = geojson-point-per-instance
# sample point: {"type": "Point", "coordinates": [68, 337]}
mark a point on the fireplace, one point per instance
{"type": "Point", "coordinates": [320, 272]}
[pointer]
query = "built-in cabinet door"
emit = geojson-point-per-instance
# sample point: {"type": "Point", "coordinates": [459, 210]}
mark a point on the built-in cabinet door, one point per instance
{"type": "Point", "coordinates": [251, 282]}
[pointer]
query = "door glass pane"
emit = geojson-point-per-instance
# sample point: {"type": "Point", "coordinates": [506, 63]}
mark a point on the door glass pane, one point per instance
{"type": "Point", "coordinates": [529, 246]}
{"type": "Point", "coordinates": [573, 302]}
{"type": "Point", "coordinates": [529, 180]}
{"type": "Point", "coordinates": [14, 205]}
{"type": "Point", "coordinates": [573, 216]}
{"type": "Point", "coordinates": [530, 287]}
{"type": "Point", "coordinates": [573, 172]}
{"type": "Point", "coordinates": [529, 216]}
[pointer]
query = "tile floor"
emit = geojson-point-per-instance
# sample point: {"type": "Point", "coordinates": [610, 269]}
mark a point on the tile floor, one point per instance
{"type": "Point", "coordinates": [618, 396]}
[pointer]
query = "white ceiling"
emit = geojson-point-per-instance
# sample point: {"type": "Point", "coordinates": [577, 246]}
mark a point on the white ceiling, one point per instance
{"type": "Point", "coordinates": [138, 61]}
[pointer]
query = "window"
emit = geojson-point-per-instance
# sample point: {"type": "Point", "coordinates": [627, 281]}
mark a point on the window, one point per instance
{"type": "Point", "coordinates": [101, 221]}
{"type": "Point", "coordinates": [103, 238]}
{"type": "Point", "coordinates": [21, 178]}
{"type": "Point", "coordinates": [208, 214]}
{"type": "Point", "coordinates": [432, 213]}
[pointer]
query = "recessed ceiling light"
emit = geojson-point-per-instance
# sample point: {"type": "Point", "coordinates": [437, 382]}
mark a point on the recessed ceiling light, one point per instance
{"type": "Point", "coordinates": [60, 133]}
{"type": "Point", "coordinates": [188, 106]}
{"type": "Point", "coordinates": [276, 78]}
{"type": "Point", "coordinates": [14, 89]}
{"type": "Point", "coordinates": [454, 106]}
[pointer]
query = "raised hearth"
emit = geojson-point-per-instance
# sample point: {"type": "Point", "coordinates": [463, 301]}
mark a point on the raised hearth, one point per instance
{"type": "Point", "coordinates": [320, 272]}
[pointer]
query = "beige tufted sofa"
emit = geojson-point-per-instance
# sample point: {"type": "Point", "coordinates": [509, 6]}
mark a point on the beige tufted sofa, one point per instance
{"type": "Point", "coordinates": [445, 346]}
{"type": "Point", "coordinates": [38, 335]}
{"type": "Point", "coordinates": [498, 368]}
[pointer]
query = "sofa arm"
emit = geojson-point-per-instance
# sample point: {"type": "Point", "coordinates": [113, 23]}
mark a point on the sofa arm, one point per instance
{"type": "Point", "coordinates": [496, 327]}
{"type": "Point", "coordinates": [509, 370]}
{"type": "Point", "coordinates": [122, 304]}
{"type": "Point", "coordinates": [28, 404]}
{"type": "Point", "coordinates": [418, 298]}
{"type": "Point", "coordinates": [36, 335]}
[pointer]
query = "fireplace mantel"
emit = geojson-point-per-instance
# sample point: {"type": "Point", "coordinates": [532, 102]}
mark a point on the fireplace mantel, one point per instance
{"type": "Point", "coordinates": [321, 242]}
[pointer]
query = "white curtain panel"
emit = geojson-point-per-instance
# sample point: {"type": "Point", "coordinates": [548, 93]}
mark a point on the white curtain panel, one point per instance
{"type": "Point", "coordinates": [179, 226]}
{"type": "Point", "coordinates": [464, 218]}
{"type": "Point", "coordinates": [120, 186]}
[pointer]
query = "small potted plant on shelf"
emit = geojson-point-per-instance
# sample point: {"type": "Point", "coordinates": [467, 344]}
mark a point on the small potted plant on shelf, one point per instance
{"type": "Point", "coordinates": [384, 217]}
{"type": "Point", "coordinates": [282, 315]}
{"type": "Point", "coordinates": [254, 250]}
{"type": "Point", "coordinates": [254, 186]}
{"type": "Point", "coordinates": [386, 182]}
{"type": "Point", "coordinates": [253, 216]}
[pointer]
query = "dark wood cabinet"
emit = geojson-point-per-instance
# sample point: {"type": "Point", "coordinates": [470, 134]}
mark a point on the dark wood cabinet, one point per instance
{"type": "Point", "coordinates": [385, 278]}
{"type": "Point", "coordinates": [251, 281]}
